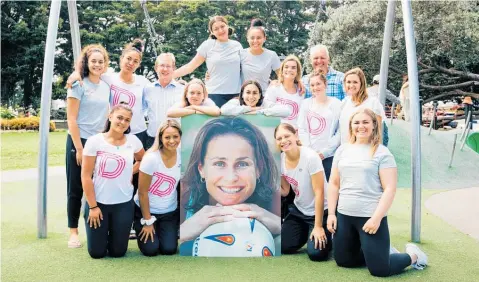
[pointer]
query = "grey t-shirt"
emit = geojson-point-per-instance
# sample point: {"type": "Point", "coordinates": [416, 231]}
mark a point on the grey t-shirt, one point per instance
{"type": "Point", "coordinates": [223, 63]}
{"type": "Point", "coordinates": [94, 106]}
{"type": "Point", "coordinates": [259, 67]}
{"type": "Point", "coordinates": [360, 187]}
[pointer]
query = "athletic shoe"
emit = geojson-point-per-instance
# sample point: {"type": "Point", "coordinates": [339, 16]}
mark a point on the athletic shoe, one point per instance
{"type": "Point", "coordinates": [393, 250]}
{"type": "Point", "coordinates": [132, 234]}
{"type": "Point", "coordinates": [421, 262]}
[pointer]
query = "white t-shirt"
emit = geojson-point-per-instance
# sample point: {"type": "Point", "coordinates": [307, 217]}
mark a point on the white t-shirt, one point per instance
{"type": "Point", "coordinates": [113, 168]}
{"type": "Point", "coordinates": [223, 63]}
{"type": "Point", "coordinates": [360, 186]}
{"type": "Point", "coordinates": [278, 95]}
{"type": "Point", "coordinates": [130, 93]}
{"type": "Point", "coordinates": [348, 109]}
{"type": "Point", "coordinates": [317, 125]}
{"type": "Point", "coordinates": [162, 193]}
{"type": "Point", "coordinates": [208, 102]}
{"type": "Point", "coordinates": [259, 67]}
{"type": "Point", "coordinates": [94, 106]}
{"type": "Point", "coordinates": [300, 179]}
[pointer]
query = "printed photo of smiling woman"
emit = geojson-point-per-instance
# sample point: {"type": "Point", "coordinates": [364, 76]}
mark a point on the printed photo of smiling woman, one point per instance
{"type": "Point", "coordinates": [231, 174]}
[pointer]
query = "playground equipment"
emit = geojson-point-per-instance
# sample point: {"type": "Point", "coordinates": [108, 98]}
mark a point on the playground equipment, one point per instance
{"type": "Point", "coordinates": [388, 33]}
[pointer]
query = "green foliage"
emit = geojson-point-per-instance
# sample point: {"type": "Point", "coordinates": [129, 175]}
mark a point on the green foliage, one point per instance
{"type": "Point", "coordinates": [5, 113]}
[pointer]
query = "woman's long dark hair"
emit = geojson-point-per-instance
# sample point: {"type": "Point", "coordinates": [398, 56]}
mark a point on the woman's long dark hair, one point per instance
{"type": "Point", "coordinates": [122, 105]}
{"type": "Point", "coordinates": [267, 182]}
{"type": "Point", "coordinates": [246, 83]}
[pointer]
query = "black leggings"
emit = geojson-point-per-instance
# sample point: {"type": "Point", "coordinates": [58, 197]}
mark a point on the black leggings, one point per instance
{"type": "Point", "coordinates": [327, 164]}
{"type": "Point", "coordinates": [74, 185]}
{"type": "Point", "coordinates": [353, 247]}
{"type": "Point", "coordinates": [221, 99]}
{"type": "Point", "coordinates": [113, 234]}
{"type": "Point", "coordinates": [144, 139]}
{"type": "Point", "coordinates": [295, 233]}
{"type": "Point", "coordinates": [166, 233]}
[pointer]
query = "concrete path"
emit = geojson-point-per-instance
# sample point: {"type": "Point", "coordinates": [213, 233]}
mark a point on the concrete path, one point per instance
{"type": "Point", "coordinates": [459, 208]}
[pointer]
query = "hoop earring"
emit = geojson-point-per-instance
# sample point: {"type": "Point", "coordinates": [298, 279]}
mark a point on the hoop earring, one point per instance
{"type": "Point", "coordinates": [202, 180]}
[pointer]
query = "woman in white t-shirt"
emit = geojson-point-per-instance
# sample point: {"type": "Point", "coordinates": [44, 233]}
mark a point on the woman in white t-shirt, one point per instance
{"type": "Point", "coordinates": [302, 171]}
{"type": "Point", "coordinates": [222, 57]}
{"type": "Point", "coordinates": [109, 157]}
{"type": "Point", "coordinates": [362, 187]}
{"type": "Point", "coordinates": [251, 101]}
{"type": "Point", "coordinates": [195, 101]}
{"type": "Point", "coordinates": [257, 62]}
{"type": "Point", "coordinates": [287, 92]}
{"type": "Point", "coordinates": [87, 111]}
{"type": "Point", "coordinates": [156, 211]}
{"type": "Point", "coordinates": [355, 87]}
{"type": "Point", "coordinates": [318, 121]}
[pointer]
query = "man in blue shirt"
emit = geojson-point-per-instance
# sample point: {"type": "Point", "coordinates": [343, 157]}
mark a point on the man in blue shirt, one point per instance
{"type": "Point", "coordinates": [319, 56]}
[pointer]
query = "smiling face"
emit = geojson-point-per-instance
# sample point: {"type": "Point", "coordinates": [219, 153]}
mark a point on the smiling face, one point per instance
{"type": "Point", "coordinates": [362, 126]}
{"type": "Point", "coordinates": [290, 70]}
{"type": "Point", "coordinates": [171, 139]}
{"type": "Point", "coordinates": [195, 94]}
{"type": "Point", "coordinates": [120, 120]}
{"type": "Point", "coordinates": [130, 61]}
{"type": "Point", "coordinates": [320, 60]}
{"type": "Point", "coordinates": [318, 87]}
{"type": "Point", "coordinates": [352, 84]}
{"type": "Point", "coordinates": [229, 169]}
{"type": "Point", "coordinates": [256, 39]}
{"type": "Point", "coordinates": [285, 139]}
{"type": "Point", "coordinates": [164, 67]}
{"type": "Point", "coordinates": [220, 30]}
{"type": "Point", "coordinates": [96, 64]}
{"type": "Point", "coordinates": [251, 95]}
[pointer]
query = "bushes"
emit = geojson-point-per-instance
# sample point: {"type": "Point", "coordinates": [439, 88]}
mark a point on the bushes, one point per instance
{"type": "Point", "coordinates": [5, 113]}
{"type": "Point", "coordinates": [25, 123]}
{"type": "Point", "coordinates": [60, 114]}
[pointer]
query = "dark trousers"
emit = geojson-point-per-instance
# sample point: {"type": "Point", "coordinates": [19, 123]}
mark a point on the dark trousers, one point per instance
{"type": "Point", "coordinates": [353, 247]}
{"type": "Point", "coordinates": [74, 185]}
{"type": "Point", "coordinates": [166, 233]}
{"type": "Point", "coordinates": [385, 134]}
{"type": "Point", "coordinates": [295, 233]}
{"type": "Point", "coordinates": [143, 138]}
{"type": "Point", "coordinates": [286, 202]}
{"type": "Point", "coordinates": [149, 142]}
{"type": "Point", "coordinates": [113, 234]}
{"type": "Point", "coordinates": [327, 164]}
{"type": "Point", "coordinates": [221, 99]}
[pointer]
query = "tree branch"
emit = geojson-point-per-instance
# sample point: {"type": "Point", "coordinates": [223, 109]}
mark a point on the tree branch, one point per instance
{"type": "Point", "coordinates": [448, 87]}
{"type": "Point", "coordinates": [396, 70]}
{"type": "Point", "coordinates": [464, 74]}
{"type": "Point", "coordinates": [455, 92]}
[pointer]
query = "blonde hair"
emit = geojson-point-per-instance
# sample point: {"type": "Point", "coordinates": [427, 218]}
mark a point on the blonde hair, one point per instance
{"type": "Point", "coordinates": [289, 128]}
{"type": "Point", "coordinates": [185, 101]}
{"type": "Point", "coordinates": [376, 137]}
{"type": "Point", "coordinates": [82, 63]}
{"type": "Point", "coordinates": [158, 144]}
{"type": "Point", "coordinates": [166, 55]}
{"type": "Point", "coordinates": [297, 79]}
{"type": "Point", "coordinates": [362, 95]}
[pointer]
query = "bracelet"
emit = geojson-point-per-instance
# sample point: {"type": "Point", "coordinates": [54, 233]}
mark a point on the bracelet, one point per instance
{"type": "Point", "coordinates": [148, 221]}
{"type": "Point", "coordinates": [94, 207]}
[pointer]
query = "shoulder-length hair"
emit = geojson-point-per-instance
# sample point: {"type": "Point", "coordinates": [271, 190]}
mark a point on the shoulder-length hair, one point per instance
{"type": "Point", "coordinates": [267, 182]}
{"type": "Point", "coordinates": [185, 101]}
{"type": "Point", "coordinates": [158, 143]}
{"type": "Point", "coordinates": [376, 137]}
{"type": "Point", "coordinates": [297, 79]}
{"type": "Point", "coordinates": [249, 82]}
{"type": "Point", "coordinates": [362, 95]}
{"type": "Point", "coordinates": [124, 106]}
{"type": "Point", "coordinates": [86, 52]}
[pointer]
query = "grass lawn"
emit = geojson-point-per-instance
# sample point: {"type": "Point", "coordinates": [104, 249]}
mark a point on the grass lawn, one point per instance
{"type": "Point", "coordinates": [453, 255]}
{"type": "Point", "coordinates": [20, 149]}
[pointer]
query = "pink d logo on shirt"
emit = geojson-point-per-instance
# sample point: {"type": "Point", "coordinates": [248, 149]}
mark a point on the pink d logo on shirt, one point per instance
{"type": "Point", "coordinates": [118, 92]}
{"type": "Point", "coordinates": [294, 106]}
{"type": "Point", "coordinates": [293, 183]}
{"type": "Point", "coordinates": [110, 160]}
{"type": "Point", "coordinates": [161, 178]}
{"type": "Point", "coordinates": [316, 123]}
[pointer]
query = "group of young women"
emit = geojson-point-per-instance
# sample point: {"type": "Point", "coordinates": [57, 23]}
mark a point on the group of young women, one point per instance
{"type": "Point", "coordinates": [342, 178]}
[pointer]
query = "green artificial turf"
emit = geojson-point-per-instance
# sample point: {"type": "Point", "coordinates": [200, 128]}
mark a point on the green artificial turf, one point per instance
{"type": "Point", "coordinates": [452, 255]}
{"type": "Point", "coordinates": [20, 149]}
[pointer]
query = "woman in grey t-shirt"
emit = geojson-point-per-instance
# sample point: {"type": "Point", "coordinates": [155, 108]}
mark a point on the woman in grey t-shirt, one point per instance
{"type": "Point", "coordinates": [362, 187]}
{"type": "Point", "coordinates": [222, 57]}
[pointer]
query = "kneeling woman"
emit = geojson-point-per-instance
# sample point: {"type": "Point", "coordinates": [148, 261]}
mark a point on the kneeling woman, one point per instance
{"type": "Point", "coordinates": [363, 179]}
{"type": "Point", "coordinates": [251, 101]}
{"type": "Point", "coordinates": [195, 101]}
{"type": "Point", "coordinates": [156, 210]}
{"type": "Point", "coordinates": [109, 158]}
{"type": "Point", "coordinates": [302, 170]}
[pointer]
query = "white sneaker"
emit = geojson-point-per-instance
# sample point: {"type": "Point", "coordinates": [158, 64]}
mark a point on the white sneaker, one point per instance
{"type": "Point", "coordinates": [421, 262]}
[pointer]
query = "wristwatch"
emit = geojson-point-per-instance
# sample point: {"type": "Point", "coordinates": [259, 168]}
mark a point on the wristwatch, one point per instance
{"type": "Point", "coordinates": [148, 221]}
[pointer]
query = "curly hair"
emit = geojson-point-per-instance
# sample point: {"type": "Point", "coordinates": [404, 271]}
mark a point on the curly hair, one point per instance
{"type": "Point", "coordinates": [268, 172]}
{"type": "Point", "coordinates": [82, 63]}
